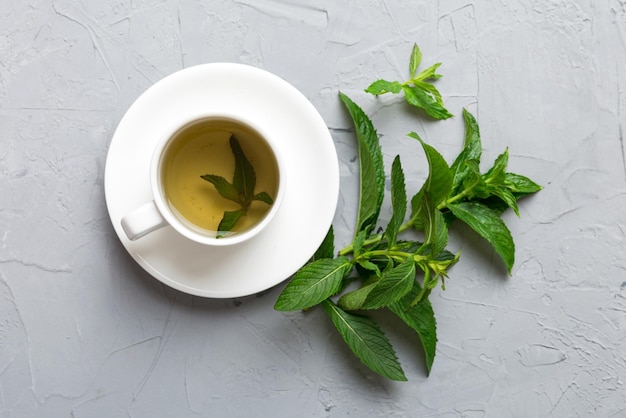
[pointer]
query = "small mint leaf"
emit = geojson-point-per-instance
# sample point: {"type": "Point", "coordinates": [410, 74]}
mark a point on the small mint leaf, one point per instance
{"type": "Point", "coordinates": [263, 197]}
{"type": "Point", "coordinates": [520, 185]}
{"type": "Point", "coordinates": [415, 61]}
{"type": "Point", "coordinates": [474, 183]}
{"type": "Point", "coordinates": [393, 285]}
{"type": "Point", "coordinates": [506, 196]}
{"type": "Point", "coordinates": [357, 243]}
{"type": "Point", "coordinates": [353, 300]}
{"type": "Point", "coordinates": [368, 265]}
{"type": "Point", "coordinates": [379, 87]}
{"type": "Point", "coordinates": [435, 228]}
{"type": "Point", "coordinates": [228, 222]}
{"type": "Point", "coordinates": [223, 187]}
{"type": "Point", "coordinates": [429, 73]}
{"type": "Point", "coordinates": [488, 225]}
{"type": "Point", "coordinates": [431, 90]}
{"type": "Point", "coordinates": [417, 97]}
{"type": "Point", "coordinates": [497, 173]}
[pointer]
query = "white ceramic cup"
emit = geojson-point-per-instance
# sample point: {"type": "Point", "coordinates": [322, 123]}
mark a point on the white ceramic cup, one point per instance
{"type": "Point", "coordinates": [159, 212]}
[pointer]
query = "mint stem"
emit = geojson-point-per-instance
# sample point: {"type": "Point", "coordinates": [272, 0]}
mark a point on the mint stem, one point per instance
{"type": "Point", "coordinates": [375, 239]}
{"type": "Point", "coordinates": [372, 240]}
{"type": "Point", "coordinates": [454, 198]}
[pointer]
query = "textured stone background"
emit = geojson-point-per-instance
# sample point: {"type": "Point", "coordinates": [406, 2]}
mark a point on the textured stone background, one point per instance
{"type": "Point", "coordinates": [85, 332]}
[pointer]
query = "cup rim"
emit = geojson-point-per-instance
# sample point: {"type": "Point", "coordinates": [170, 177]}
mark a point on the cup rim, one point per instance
{"type": "Point", "coordinates": [165, 208]}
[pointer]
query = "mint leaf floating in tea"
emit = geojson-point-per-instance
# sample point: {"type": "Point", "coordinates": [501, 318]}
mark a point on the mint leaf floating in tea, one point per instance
{"type": "Point", "coordinates": [229, 221]}
{"type": "Point", "coordinates": [240, 190]}
{"type": "Point", "coordinates": [418, 91]}
{"type": "Point", "coordinates": [244, 179]}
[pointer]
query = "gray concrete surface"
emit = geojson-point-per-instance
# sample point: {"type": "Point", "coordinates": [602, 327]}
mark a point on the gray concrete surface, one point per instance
{"type": "Point", "coordinates": [85, 332]}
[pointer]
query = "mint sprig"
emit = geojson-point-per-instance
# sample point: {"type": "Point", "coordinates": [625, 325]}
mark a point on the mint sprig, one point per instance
{"type": "Point", "coordinates": [396, 274]}
{"type": "Point", "coordinates": [240, 190]}
{"type": "Point", "coordinates": [372, 178]}
{"type": "Point", "coordinates": [418, 90]}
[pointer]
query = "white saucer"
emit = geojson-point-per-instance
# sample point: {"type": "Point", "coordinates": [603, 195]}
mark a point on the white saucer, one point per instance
{"type": "Point", "coordinates": [312, 180]}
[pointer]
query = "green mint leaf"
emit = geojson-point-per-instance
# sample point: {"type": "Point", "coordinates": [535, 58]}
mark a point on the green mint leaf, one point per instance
{"type": "Point", "coordinates": [472, 140]}
{"type": "Point", "coordinates": [408, 246]}
{"type": "Point", "coordinates": [393, 285]}
{"type": "Point", "coordinates": [377, 265]}
{"type": "Point", "coordinates": [506, 196]}
{"type": "Point", "coordinates": [421, 318]}
{"type": "Point", "coordinates": [429, 73]}
{"type": "Point", "coordinates": [354, 300]}
{"type": "Point", "coordinates": [497, 173]}
{"type": "Point", "coordinates": [223, 187]}
{"type": "Point", "coordinates": [417, 97]}
{"type": "Point", "coordinates": [379, 87]}
{"type": "Point", "coordinates": [417, 219]}
{"type": "Point", "coordinates": [493, 202]}
{"type": "Point", "coordinates": [520, 185]}
{"type": "Point", "coordinates": [472, 150]}
{"type": "Point", "coordinates": [313, 283]}
{"type": "Point", "coordinates": [368, 265]}
{"type": "Point", "coordinates": [439, 180]}
{"type": "Point", "coordinates": [431, 90]}
{"type": "Point", "coordinates": [228, 222]}
{"type": "Point", "coordinates": [372, 173]}
{"type": "Point", "coordinates": [434, 224]}
{"type": "Point", "coordinates": [367, 341]}
{"type": "Point", "coordinates": [357, 243]}
{"type": "Point", "coordinates": [244, 179]}
{"type": "Point", "coordinates": [437, 184]}
{"type": "Point", "coordinates": [509, 198]}
{"type": "Point", "coordinates": [488, 225]}
{"type": "Point", "coordinates": [474, 183]}
{"type": "Point", "coordinates": [415, 61]}
{"type": "Point", "coordinates": [447, 256]}
{"type": "Point", "coordinates": [398, 201]}
{"type": "Point", "coordinates": [263, 197]}
{"type": "Point", "coordinates": [327, 247]}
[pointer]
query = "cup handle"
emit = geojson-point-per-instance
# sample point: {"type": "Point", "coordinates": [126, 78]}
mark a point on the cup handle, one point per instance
{"type": "Point", "coordinates": [142, 221]}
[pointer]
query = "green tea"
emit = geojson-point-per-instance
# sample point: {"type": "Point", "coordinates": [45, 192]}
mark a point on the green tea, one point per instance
{"type": "Point", "coordinates": [201, 148]}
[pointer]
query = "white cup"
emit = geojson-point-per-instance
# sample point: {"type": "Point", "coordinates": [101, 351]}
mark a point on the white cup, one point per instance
{"type": "Point", "coordinates": [160, 212]}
